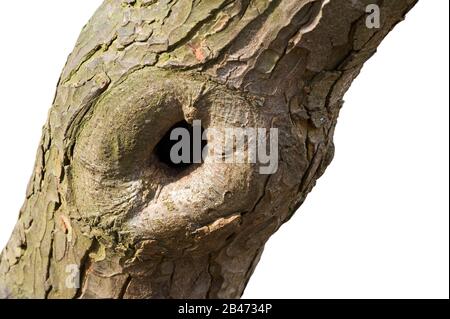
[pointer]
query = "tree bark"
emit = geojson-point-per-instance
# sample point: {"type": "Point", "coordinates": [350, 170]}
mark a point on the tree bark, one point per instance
{"type": "Point", "coordinates": [100, 200]}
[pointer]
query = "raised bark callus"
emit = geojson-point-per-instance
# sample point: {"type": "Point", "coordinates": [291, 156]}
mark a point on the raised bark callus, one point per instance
{"type": "Point", "coordinates": [99, 198]}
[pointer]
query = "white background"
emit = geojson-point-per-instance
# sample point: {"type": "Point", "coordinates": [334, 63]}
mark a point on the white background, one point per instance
{"type": "Point", "coordinates": [376, 225]}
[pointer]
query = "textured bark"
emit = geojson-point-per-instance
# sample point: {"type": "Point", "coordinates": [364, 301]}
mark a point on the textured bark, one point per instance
{"type": "Point", "coordinates": [99, 198]}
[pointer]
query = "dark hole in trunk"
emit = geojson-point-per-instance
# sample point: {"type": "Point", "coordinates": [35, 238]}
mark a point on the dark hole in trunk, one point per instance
{"type": "Point", "coordinates": [164, 148]}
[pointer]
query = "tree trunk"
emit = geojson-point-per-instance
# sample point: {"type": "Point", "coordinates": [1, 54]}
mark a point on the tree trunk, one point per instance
{"type": "Point", "coordinates": [101, 201]}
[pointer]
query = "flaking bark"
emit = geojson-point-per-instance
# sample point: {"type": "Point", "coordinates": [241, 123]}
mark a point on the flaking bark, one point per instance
{"type": "Point", "coordinates": [138, 68]}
